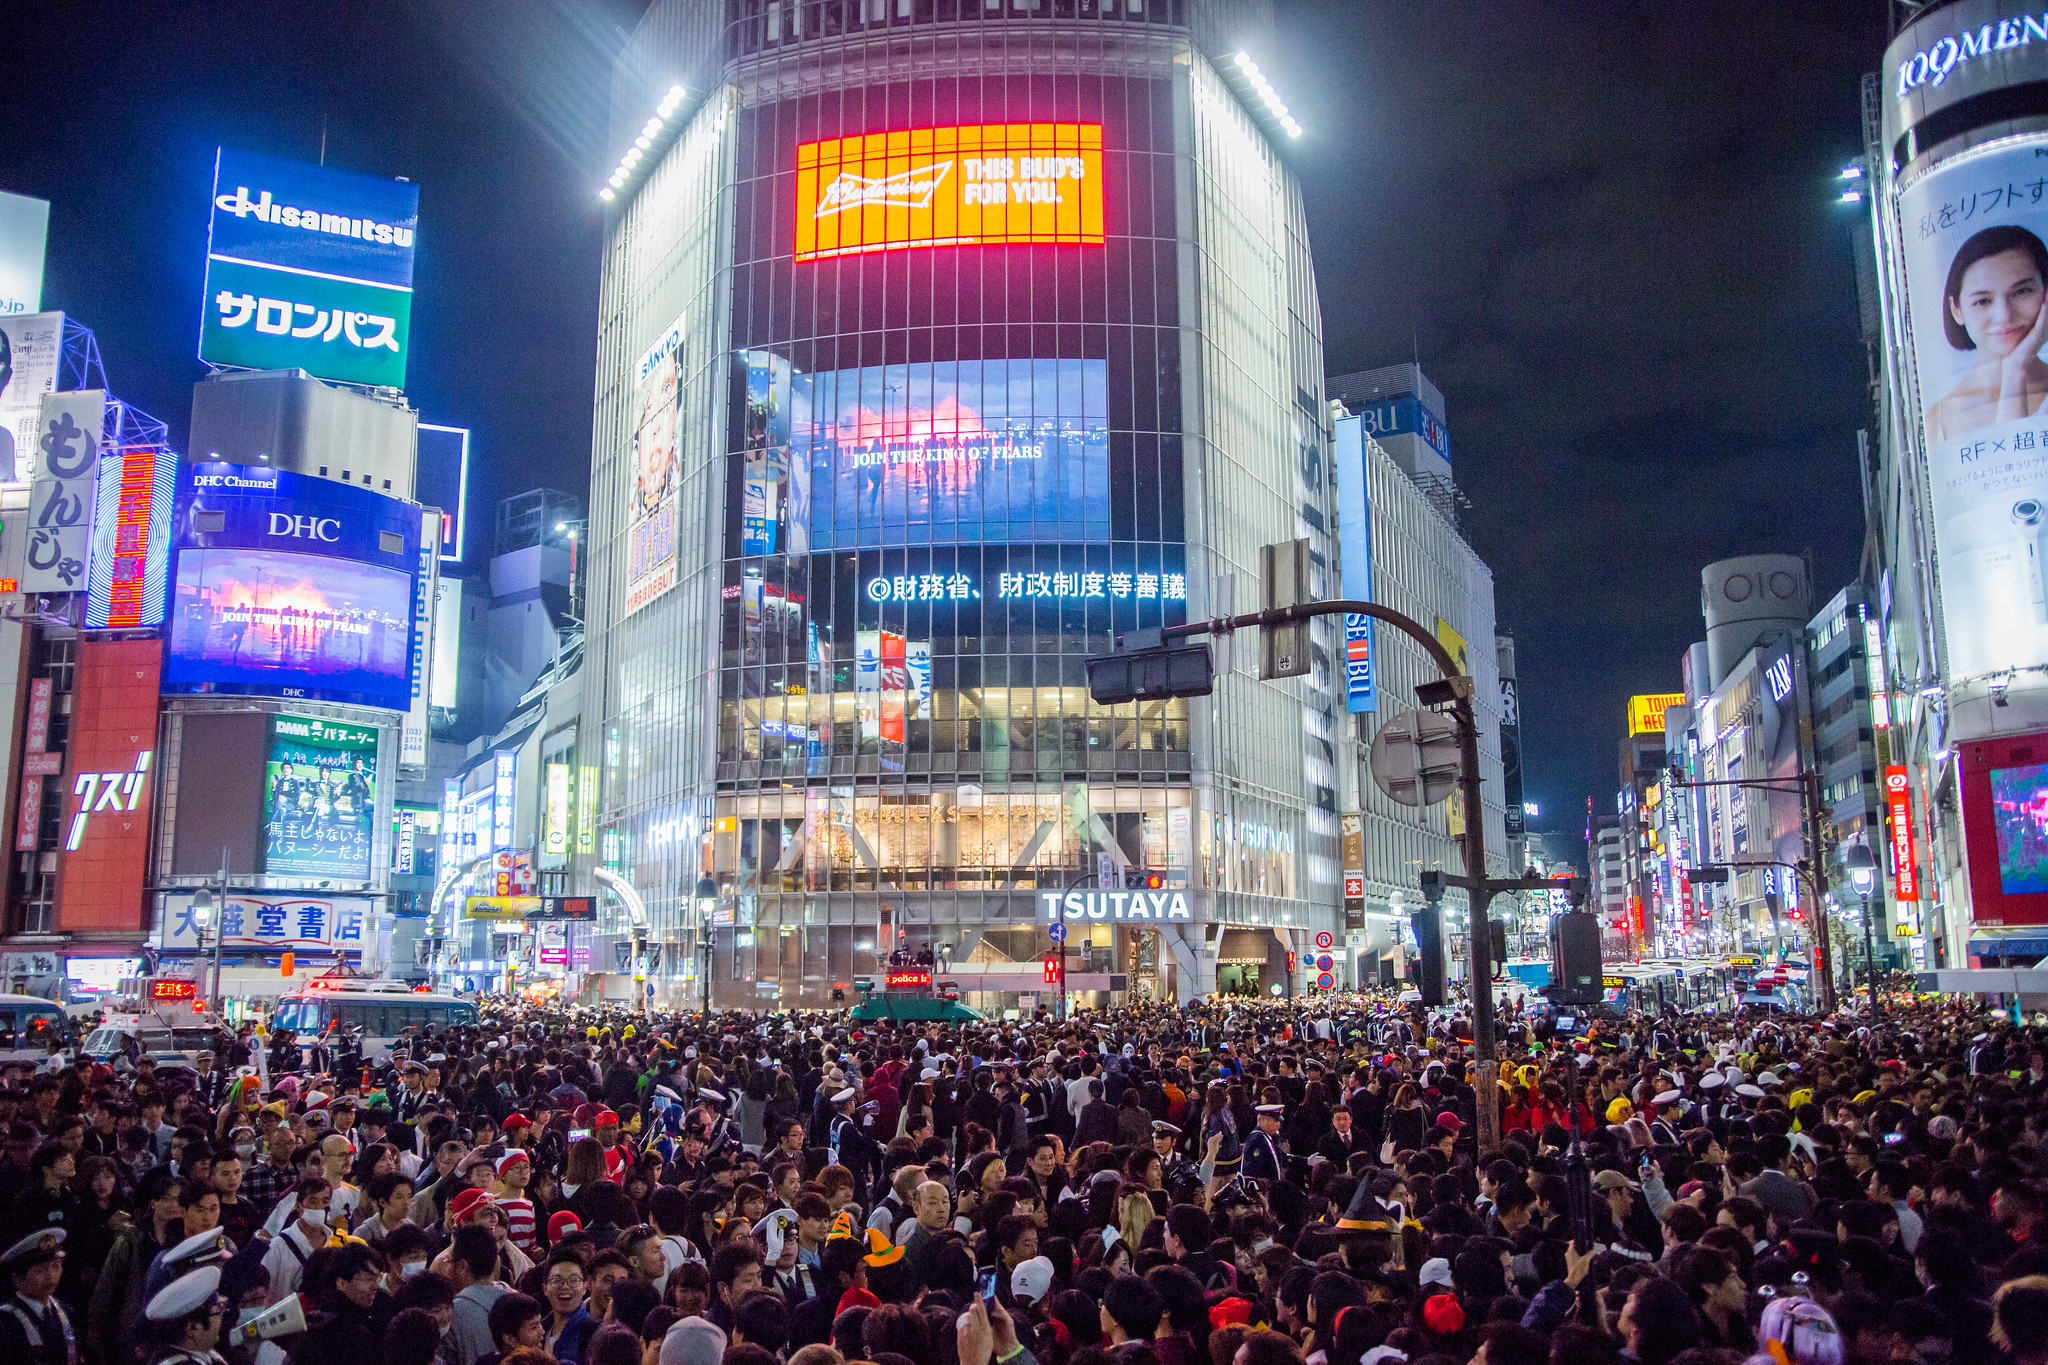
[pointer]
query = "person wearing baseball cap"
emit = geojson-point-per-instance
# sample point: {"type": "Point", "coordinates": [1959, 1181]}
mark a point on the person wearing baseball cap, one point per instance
{"type": "Point", "coordinates": [514, 1170]}
{"type": "Point", "coordinates": [34, 1328]}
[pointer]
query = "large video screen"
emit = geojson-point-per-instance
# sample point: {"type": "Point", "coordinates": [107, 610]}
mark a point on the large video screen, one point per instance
{"type": "Point", "coordinates": [2019, 797]}
{"type": "Point", "coordinates": [999, 452]}
{"type": "Point", "coordinates": [319, 798]}
{"type": "Point", "coordinates": [280, 623]}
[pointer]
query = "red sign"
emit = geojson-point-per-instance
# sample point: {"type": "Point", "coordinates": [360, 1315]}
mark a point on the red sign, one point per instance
{"type": "Point", "coordinates": [109, 793]}
{"type": "Point", "coordinates": [1354, 885]}
{"type": "Point", "coordinates": [1052, 969]}
{"type": "Point", "coordinates": [29, 815]}
{"type": "Point", "coordinates": [126, 604]}
{"type": "Point", "coordinates": [38, 716]}
{"type": "Point", "coordinates": [903, 981]}
{"type": "Point", "coordinates": [1898, 800]}
{"type": "Point", "coordinates": [173, 990]}
{"type": "Point", "coordinates": [1685, 897]}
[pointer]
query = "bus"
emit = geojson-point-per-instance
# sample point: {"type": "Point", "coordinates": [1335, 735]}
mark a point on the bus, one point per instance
{"type": "Point", "coordinates": [384, 1010]}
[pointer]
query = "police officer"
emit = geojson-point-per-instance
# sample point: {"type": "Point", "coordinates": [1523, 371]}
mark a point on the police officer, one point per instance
{"type": "Point", "coordinates": [1261, 1149]}
{"type": "Point", "coordinates": [1166, 1145]}
{"type": "Point", "coordinates": [850, 1145]}
{"type": "Point", "coordinates": [183, 1320]}
{"type": "Point", "coordinates": [33, 1326]}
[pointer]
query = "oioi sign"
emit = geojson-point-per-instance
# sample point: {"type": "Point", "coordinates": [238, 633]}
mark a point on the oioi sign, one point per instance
{"type": "Point", "coordinates": [308, 267]}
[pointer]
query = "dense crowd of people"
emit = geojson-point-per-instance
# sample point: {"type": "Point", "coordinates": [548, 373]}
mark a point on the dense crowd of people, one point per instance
{"type": "Point", "coordinates": [1232, 1183]}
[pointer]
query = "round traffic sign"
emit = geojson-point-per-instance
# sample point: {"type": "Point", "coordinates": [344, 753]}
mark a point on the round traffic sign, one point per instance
{"type": "Point", "coordinates": [1325, 940]}
{"type": "Point", "coordinates": [1326, 982]}
{"type": "Point", "coordinates": [1056, 932]}
{"type": "Point", "coordinates": [1325, 962]}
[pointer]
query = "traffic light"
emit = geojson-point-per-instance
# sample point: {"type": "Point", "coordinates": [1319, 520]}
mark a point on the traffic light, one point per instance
{"type": "Point", "coordinates": [1575, 958]}
{"type": "Point", "coordinates": [1290, 962]}
{"type": "Point", "coordinates": [1146, 671]}
{"type": "Point", "coordinates": [1052, 969]}
{"type": "Point", "coordinates": [1429, 955]}
{"type": "Point", "coordinates": [1153, 881]}
{"type": "Point", "coordinates": [1498, 943]}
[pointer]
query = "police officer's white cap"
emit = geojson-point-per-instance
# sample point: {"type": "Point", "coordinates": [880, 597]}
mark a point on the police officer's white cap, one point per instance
{"type": "Point", "coordinates": [843, 1096]}
{"type": "Point", "coordinates": [1161, 1128]}
{"type": "Point", "coordinates": [203, 1249]}
{"type": "Point", "coordinates": [184, 1296]}
{"type": "Point", "coordinates": [1272, 1109]}
{"type": "Point", "coordinates": [33, 1249]}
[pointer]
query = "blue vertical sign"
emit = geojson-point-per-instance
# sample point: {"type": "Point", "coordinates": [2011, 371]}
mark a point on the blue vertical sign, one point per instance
{"type": "Point", "coordinates": [1354, 545]}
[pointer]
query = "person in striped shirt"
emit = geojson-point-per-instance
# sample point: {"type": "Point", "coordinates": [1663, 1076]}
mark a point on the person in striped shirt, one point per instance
{"type": "Point", "coordinates": [514, 1170]}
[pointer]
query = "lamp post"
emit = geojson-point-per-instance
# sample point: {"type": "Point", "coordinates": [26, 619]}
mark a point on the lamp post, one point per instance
{"type": "Point", "coordinates": [203, 914]}
{"type": "Point", "coordinates": [1862, 870]}
{"type": "Point", "coordinates": [707, 902]}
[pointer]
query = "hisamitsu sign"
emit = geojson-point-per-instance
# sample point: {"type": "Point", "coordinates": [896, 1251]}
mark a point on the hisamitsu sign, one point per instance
{"type": "Point", "coordinates": [308, 267]}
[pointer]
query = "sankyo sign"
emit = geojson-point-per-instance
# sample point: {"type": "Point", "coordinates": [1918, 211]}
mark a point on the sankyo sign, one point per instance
{"type": "Point", "coordinates": [338, 329]}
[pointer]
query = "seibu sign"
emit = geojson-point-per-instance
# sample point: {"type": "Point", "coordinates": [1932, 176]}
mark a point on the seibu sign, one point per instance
{"type": "Point", "coordinates": [1115, 905]}
{"type": "Point", "coordinates": [973, 185]}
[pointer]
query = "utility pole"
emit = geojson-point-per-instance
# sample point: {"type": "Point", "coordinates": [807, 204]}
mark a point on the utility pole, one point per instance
{"type": "Point", "coordinates": [1150, 666]}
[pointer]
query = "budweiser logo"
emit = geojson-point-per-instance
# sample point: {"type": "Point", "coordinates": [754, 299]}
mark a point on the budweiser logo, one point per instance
{"type": "Point", "coordinates": [911, 189]}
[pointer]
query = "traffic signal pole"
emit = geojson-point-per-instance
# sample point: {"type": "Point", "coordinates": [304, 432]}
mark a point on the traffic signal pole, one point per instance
{"type": "Point", "coordinates": [1452, 692]}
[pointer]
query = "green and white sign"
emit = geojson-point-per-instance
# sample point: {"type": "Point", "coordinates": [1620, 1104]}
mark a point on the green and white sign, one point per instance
{"type": "Point", "coordinates": [308, 267]}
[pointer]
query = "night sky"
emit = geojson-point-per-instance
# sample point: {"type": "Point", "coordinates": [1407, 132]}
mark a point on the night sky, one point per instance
{"type": "Point", "coordinates": [1610, 234]}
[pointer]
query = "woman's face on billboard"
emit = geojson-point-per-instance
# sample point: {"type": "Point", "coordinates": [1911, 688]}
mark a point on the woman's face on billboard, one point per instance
{"type": "Point", "coordinates": [1999, 300]}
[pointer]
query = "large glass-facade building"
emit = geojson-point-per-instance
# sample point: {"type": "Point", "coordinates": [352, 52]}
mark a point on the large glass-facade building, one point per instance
{"type": "Point", "coordinates": [943, 341]}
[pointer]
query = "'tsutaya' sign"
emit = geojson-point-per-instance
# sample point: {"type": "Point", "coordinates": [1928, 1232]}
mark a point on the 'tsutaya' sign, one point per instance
{"type": "Point", "coordinates": [1115, 905]}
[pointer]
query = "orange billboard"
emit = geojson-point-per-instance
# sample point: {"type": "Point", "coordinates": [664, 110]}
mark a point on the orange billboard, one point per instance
{"type": "Point", "coordinates": [977, 185]}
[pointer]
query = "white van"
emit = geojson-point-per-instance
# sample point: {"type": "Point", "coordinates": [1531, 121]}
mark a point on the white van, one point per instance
{"type": "Point", "coordinates": [382, 1009]}
{"type": "Point", "coordinates": [166, 1041]}
{"type": "Point", "coordinates": [28, 1025]}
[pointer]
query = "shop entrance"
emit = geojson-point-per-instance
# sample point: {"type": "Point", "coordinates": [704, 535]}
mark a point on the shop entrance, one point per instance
{"type": "Point", "coordinates": [1239, 978]}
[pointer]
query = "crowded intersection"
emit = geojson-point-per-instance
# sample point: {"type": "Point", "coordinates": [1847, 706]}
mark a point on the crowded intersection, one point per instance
{"type": "Point", "coordinates": [1233, 1182]}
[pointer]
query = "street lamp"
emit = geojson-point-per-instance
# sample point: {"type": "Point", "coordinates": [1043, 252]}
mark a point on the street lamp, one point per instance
{"type": "Point", "coordinates": [1862, 870]}
{"type": "Point", "coordinates": [707, 902]}
{"type": "Point", "coordinates": [204, 912]}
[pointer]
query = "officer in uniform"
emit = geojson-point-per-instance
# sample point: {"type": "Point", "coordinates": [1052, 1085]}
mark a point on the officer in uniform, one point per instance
{"type": "Point", "coordinates": [1166, 1144]}
{"type": "Point", "coordinates": [184, 1320]}
{"type": "Point", "coordinates": [851, 1147]}
{"type": "Point", "coordinates": [34, 1328]}
{"type": "Point", "coordinates": [1261, 1149]}
{"type": "Point", "coordinates": [717, 1126]}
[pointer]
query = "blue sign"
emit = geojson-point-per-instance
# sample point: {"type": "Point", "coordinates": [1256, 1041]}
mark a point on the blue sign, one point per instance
{"type": "Point", "coordinates": [308, 266]}
{"type": "Point", "coordinates": [289, 586]}
{"type": "Point", "coordinates": [1405, 416]}
{"type": "Point", "coordinates": [1056, 932]}
{"type": "Point", "coordinates": [1354, 543]}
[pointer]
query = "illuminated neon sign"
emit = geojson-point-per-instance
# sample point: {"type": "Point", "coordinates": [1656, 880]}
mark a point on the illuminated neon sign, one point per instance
{"type": "Point", "coordinates": [897, 981]}
{"type": "Point", "coordinates": [976, 185]}
{"type": "Point", "coordinates": [173, 990]}
{"type": "Point", "coordinates": [106, 791]}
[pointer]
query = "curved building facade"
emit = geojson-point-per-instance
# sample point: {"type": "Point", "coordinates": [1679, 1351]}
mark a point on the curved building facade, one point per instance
{"type": "Point", "coordinates": [941, 342]}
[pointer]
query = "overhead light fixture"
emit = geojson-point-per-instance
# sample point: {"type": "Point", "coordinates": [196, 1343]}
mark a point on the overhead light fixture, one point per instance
{"type": "Point", "coordinates": [644, 144]}
{"type": "Point", "coordinates": [1852, 172]}
{"type": "Point", "coordinates": [1249, 69]}
{"type": "Point", "coordinates": [1852, 197]}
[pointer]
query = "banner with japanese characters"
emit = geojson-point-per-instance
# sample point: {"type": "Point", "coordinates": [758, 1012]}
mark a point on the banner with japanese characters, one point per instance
{"type": "Point", "coordinates": [277, 921]}
{"type": "Point", "coordinates": [1975, 242]}
{"type": "Point", "coordinates": [319, 798]}
{"type": "Point", "coordinates": [308, 267]}
{"type": "Point", "coordinates": [60, 498]}
{"type": "Point", "coordinates": [31, 349]}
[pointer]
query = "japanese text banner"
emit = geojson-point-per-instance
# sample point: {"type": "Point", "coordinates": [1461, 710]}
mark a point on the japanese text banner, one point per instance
{"type": "Point", "coordinates": [297, 923]}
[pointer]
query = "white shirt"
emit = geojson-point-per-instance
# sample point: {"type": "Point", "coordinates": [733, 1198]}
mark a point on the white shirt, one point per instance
{"type": "Point", "coordinates": [286, 1269]}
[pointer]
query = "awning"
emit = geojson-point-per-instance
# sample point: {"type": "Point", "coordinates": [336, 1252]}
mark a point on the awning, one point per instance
{"type": "Point", "coordinates": [2012, 945]}
{"type": "Point", "coordinates": [1244, 947]}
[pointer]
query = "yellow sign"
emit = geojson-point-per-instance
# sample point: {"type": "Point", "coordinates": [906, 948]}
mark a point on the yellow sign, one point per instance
{"type": "Point", "coordinates": [1742, 962]}
{"type": "Point", "coordinates": [1646, 713]}
{"type": "Point", "coordinates": [1461, 653]}
{"type": "Point", "coordinates": [1613, 983]}
{"type": "Point", "coordinates": [499, 907]}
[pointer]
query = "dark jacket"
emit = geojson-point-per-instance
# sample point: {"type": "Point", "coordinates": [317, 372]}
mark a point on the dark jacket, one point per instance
{"type": "Point", "coordinates": [337, 1333]}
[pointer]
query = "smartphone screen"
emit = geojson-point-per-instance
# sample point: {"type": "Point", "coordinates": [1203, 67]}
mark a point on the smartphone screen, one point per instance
{"type": "Point", "coordinates": [578, 1134]}
{"type": "Point", "coordinates": [1894, 1137]}
{"type": "Point", "coordinates": [988, 1283]}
